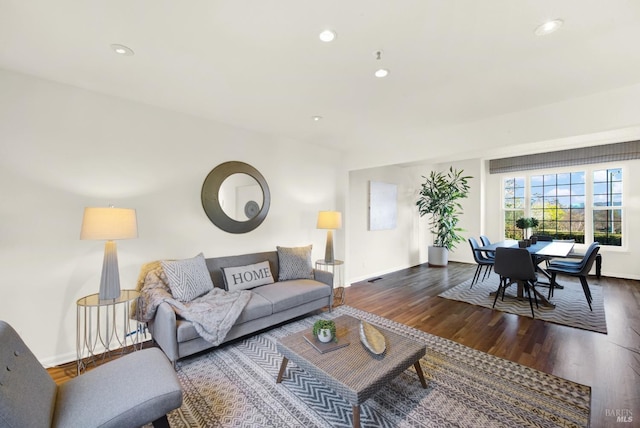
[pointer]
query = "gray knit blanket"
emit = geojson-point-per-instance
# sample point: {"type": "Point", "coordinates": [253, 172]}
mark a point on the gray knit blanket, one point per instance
{"type": "Point", "coordinates": [212, 314]}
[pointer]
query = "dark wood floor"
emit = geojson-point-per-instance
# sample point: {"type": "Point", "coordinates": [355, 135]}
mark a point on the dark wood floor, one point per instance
{"type": "Point", "coordinates": [409, 296]}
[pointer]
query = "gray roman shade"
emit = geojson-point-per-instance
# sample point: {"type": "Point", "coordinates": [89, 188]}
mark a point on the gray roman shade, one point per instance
{"type": "Point", "coordinates": [580, 156]}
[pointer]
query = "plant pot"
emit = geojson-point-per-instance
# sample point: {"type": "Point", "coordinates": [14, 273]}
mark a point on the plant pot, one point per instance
{"type": "Point", "coordinates": [324, 335]}
{"type": "Point", "coordinates": [438, 256]}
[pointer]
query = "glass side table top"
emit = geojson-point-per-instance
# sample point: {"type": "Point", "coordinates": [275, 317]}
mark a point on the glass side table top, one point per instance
{"type": "Point", "coordinates": [94, 300]}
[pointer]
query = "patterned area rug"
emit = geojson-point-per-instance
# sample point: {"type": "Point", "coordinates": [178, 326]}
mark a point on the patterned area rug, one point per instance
{"type": "Point", "coordinates": [234, 386]}
{"type": "Point", "coordinates": [571, 308]}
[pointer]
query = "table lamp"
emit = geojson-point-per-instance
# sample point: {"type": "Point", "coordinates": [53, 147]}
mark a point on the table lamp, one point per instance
{"type": "Point", "coordinates": [329, 220]}
{"type": "Point", "coordinates": [109, 224]}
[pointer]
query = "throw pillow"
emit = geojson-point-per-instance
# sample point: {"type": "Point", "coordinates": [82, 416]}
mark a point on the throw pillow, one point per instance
{"type": "Point", "coordinates": [188, 278]}
{"type": "Point", "coordinates": [246, 277]}
{"type": "Point", "coordinates": [294, 263]}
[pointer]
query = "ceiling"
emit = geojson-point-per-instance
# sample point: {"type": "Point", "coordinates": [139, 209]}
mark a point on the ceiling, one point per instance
{"type": "Point", "coordinates": [259, 64]}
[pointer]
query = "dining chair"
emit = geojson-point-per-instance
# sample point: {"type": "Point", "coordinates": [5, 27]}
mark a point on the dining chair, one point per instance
{"type": "Point", "coordinates": [543, 238]}
{"type": "Point", "coordinates": [514, 265]}
{"type": "Point", "coordinates": [481, 260]}
{"type": "Point", "coordinates": [485, 242]}
{"type": "Point", "coordinates": [575, 268]}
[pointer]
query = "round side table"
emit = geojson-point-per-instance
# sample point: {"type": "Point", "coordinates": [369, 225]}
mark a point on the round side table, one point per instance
{"type": "Point", "coordinates": [336, 267]}
{"type": "Point", "coordinates": [103, 326]}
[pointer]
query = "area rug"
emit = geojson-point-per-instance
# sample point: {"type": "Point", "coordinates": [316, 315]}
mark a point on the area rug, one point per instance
{"type": "Point", "coordinates": [234, 386]}
{"type": "Point", "coordinates": [571, 308]}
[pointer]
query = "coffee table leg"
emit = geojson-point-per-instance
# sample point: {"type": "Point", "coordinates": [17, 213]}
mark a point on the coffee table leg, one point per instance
{"type": "Point", "coordinates": [356, 416]}
{"type": "Point", "coordinates": [420, 374]}
{"type": "Point", "coordinates": [283, 367]}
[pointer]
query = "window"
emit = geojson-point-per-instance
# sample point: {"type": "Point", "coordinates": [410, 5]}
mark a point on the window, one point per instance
{"type": "Point", "coordinates": [514, 204]}
{"type": "Point", "coordinates": [607, 206]}
{"type": "Point", "coordinates": [560, 201]}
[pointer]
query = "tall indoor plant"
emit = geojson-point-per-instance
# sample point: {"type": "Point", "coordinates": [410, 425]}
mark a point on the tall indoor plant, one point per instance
{"type": "Point", "coordinates": [440, 196]}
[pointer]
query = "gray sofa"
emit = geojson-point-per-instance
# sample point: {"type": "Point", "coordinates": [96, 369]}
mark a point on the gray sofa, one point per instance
{"type": "Point", "coordinates": [269, 305]}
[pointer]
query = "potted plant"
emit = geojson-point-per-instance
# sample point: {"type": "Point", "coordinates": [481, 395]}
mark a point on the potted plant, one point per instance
{"type": "Point", "coordinates": [325, 330]}
{"type": "Point", "coordinates": [440, 196]}
{"type": "Point", "coordinates": [526, 223]}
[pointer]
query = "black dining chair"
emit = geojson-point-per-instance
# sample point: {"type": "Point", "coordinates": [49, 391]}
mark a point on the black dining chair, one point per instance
{"type": "Point", "coordinates": [514, 265]}
{"type": "Point", "coordinates": [543, 238]}
{"type": "Point", "coordinates": [575, 268]}
{"type": "Point", "coordinates": [481, 260]}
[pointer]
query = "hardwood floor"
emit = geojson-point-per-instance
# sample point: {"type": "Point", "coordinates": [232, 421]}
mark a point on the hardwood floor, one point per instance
{"type": "Point", "coordinates": [409, 296]}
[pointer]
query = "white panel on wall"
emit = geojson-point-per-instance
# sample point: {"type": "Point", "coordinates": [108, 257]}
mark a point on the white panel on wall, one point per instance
{"type": "Point", "coordinates": [383, 205]}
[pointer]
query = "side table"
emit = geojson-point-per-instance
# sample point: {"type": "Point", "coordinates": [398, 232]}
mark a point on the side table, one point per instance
{"type": "Point", "coordinates": [336, 267]}
{"type": "Point", "coordinates": [102, 326]}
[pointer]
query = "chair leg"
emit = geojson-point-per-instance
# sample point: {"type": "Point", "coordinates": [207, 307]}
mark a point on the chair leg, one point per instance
{"type": "Point", "coordinates": [552, 284]}
{"type": "Point", "coordinates": [526, 287]}
{"type": "Point", "coordinates": [535, 296]}
{"type": "Point", "coordinates": [161, 422]}
{"type": "Point", "coordinates": [486, 271]}
{"type": "Point", "coordinates": [587, 292]}
{"type": "Point", "coordinates": [504, 287]}
{"type": "Point", "coordinates": [476, 276]}
{"type": "Point", "coordinates": [495, 299]}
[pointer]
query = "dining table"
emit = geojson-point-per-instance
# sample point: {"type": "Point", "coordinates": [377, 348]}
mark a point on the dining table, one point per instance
{"type": "Point", "coordinates": [540, 251]}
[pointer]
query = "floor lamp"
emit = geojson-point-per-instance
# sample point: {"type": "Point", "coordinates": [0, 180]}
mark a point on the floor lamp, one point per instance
{"type": "Point", "coordinates": [109, 224]}
{"type": "Point", "coordinates": [329, 220]}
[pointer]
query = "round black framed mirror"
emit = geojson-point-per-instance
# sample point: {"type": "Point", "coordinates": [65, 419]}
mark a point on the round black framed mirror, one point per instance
{"type": "Point", "coordinates": [235, 197]}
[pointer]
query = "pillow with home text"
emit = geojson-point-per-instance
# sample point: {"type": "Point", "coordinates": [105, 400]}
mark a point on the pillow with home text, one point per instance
{"type": "Point", "coordinates": [246, 277]}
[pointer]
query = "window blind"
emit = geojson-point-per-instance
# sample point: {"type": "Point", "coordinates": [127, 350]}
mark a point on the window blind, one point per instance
{"type": "Point", "coordinates": [580, 156]}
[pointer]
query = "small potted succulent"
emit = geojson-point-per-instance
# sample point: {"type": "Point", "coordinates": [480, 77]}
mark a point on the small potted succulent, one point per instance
{"type": "Point", "coordinates": [325, 330]}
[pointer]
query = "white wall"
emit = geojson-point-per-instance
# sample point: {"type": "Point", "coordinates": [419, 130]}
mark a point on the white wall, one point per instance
{"type": "Point", "coordinates": [470, 219]}
{"type": "Point", "coordinates": [373, 253]}
{"type": "Point", "coordinates": [63, 148]}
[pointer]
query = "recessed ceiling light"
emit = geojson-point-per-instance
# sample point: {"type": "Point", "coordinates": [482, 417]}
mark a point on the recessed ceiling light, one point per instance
{"type": "Point", "coordinates": [316, 118]}
{"type": "Point", "coordinates": [122, 50]}
{"type": "Point", "coordinates": [381, 72]}
{"type": "Point", "coordinates": [327, 36]}
{"type": "Point", "coordinates": [548, 27]}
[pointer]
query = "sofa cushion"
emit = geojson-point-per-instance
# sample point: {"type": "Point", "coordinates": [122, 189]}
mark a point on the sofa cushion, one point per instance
{"type": "Point", "coordinates": [294, 263]}
{"type": "Point", "coordinates": [188, 278]}
{"type": "Point", "coordinates": [247, 277]}
{"type": "Point", "coordinates": [257, 307]}
{"type": "Point", "coordinates": [289, 294]}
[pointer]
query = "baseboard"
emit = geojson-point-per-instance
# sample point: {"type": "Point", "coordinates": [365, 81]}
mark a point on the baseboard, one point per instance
{"type": "Point", "coordinates": [70, 357]}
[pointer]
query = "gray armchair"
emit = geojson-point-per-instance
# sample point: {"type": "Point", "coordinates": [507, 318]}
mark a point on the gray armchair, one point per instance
{"type": "Point", "coordinates": [131, 391]}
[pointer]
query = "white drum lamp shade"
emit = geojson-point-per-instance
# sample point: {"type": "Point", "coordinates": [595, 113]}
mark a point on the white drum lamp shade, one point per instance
{"type": "Point", "coordinates": [109, 224]}
{"type": "Point", "coordinates": [330, 220]}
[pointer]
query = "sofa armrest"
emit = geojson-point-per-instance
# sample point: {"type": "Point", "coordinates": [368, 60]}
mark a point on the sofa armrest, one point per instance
{"type": "Point", "coordinates": [164, 331]}
{"type": "Point", "coordinates": [323, 276]}
{"type": "Point", "coordinates": [326, 278]}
